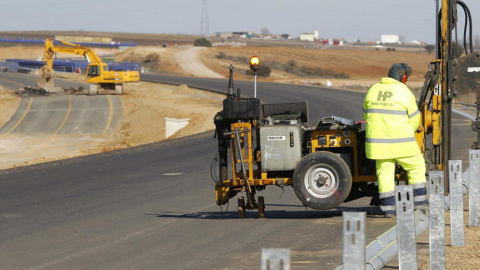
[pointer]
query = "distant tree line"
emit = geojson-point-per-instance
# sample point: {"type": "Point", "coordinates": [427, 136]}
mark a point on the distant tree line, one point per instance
{"type": "Point", "coordinates": [202, 42]}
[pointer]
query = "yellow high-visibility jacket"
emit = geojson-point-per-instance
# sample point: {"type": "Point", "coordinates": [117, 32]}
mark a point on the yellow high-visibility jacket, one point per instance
{"type": "Point", "coordinates": [392, 117]}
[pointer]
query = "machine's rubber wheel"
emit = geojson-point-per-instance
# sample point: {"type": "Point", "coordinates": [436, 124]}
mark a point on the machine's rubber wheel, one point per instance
{"type": "Point", "coordinates": [119, 89]}
{"type": "Point", "coordinates": [322, 180]}
{"type": "Point", "coordinates": [261, 207]}
{"type": "Point", "coordinates": [241, 207]}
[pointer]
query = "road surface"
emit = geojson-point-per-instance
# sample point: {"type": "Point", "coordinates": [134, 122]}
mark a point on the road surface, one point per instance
{"type": "Point", "coordinates": [61, 114]}
{"type": "Point", "coordinates": [72, 124]}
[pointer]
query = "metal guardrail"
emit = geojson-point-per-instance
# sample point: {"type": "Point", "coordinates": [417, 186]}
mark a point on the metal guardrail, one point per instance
{"type": "Point", "coordinates": [385, 247]}
{"type": "Point", "coordinates": [275, 258]}
{"type": "Point", "coordinates": [400, 239]}
{"type": "Point", "coordinates": [464, 114]}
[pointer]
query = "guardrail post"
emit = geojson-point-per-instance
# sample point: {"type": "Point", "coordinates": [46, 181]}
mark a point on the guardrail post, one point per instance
{"type": "Point", "coordinates": [437, 220]}
{"type": "Point", "coordinates": [407, 251]}
{"type": "Point", "coordinates": [456, 203]}
{"type": "Point", "coordinates": [354, 240]}
{"type": "Point", "coordinates": [474, 188]}
{"type": "Point", "coordinates": [275, 258]}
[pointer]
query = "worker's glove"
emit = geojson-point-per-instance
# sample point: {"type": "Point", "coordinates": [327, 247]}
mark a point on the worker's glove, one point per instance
{"type": "Point", "coordinates": [420, 129]}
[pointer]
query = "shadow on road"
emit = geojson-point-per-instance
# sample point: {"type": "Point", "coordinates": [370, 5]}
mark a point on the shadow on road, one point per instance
{"type": "Point", "coordinates": [273, 214]}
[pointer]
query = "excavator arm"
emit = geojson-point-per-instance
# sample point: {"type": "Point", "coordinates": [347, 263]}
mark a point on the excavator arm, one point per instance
{"type": "Point", "coordinates": [76, 49]}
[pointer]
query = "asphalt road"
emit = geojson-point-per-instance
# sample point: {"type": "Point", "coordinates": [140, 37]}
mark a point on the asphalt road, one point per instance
{"type": "Point", "coordinates": [153, 207]}
{"type": "Point", "coordinates": [59, 113]}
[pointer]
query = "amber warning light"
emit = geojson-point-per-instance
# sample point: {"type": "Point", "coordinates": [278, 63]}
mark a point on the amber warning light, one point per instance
{"type": "Point", "coordinates": [254, 62]}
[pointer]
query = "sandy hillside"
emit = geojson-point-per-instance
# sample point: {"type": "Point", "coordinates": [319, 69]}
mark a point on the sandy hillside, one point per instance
{"type": "Point", "coordinates": [144, 100]}
{"type": "Point", "coordinates": [33, 52]}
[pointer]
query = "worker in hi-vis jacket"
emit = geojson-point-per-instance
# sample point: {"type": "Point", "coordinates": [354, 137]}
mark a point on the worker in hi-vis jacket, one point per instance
{"type": "Point", "coordinates": [392, 118]}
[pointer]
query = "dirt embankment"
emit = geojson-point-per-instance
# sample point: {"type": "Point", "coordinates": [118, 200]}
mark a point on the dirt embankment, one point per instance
{"type": "Point", "coordinates": [143, 101]}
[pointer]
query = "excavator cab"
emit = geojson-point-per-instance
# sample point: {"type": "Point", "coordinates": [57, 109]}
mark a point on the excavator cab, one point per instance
{"type": "Point", "coordinates": [96, 70]}
{"type": "Point", "coordinates": [93, 71]}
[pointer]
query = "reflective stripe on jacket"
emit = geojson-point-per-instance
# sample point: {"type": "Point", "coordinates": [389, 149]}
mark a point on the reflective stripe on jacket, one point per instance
{"type": "Point", "coordinates": [392, 117]}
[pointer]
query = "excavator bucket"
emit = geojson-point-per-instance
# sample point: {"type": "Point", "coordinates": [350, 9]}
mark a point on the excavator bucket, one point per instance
{"type": "Point", "coordinates": [46, 79]}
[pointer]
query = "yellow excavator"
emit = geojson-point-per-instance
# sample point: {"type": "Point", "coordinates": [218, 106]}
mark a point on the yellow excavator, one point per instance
{"type": "Point", "coordinates": [97, 71]}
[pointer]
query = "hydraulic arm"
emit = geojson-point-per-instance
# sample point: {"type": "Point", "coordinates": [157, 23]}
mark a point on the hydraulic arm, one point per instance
{"type": "Point", "coordinates": [97, 71]}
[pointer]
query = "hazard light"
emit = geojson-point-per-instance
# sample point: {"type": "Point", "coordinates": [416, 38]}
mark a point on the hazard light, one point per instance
{"type": "Point", "coordinates": [254, 63]}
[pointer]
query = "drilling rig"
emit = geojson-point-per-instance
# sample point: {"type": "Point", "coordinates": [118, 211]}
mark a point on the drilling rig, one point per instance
{"type": "Point", "coordinates": [325, 162]}
{"type": "Point", "coordinates": [453, 73]}
{"type": "Point", "coordinates": [274, 144]}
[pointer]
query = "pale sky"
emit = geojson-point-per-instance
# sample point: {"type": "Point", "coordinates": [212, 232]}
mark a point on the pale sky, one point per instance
{"type": "Point", "coordinates": [347, 19]}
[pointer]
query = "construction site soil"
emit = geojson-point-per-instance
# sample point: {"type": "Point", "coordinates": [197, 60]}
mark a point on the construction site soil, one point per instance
{"type": "Point", "coordinates": [145, 105]}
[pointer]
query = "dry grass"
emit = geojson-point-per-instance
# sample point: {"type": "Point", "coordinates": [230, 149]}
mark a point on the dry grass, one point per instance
{"type": "Point", "coordinates": [357, 63]}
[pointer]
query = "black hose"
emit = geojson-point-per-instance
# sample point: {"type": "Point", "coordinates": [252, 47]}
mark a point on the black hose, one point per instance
{"type": "Point", "coordinates": [213, 173]}
{"type": "Point", "coordinates": [465, 32]}
{"type": "Point", "coordinates": [470, 28]}
{"type": "Point", "coordinates": [468, 19]}
{"type": "Point", "coordinates": [439, 34]}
